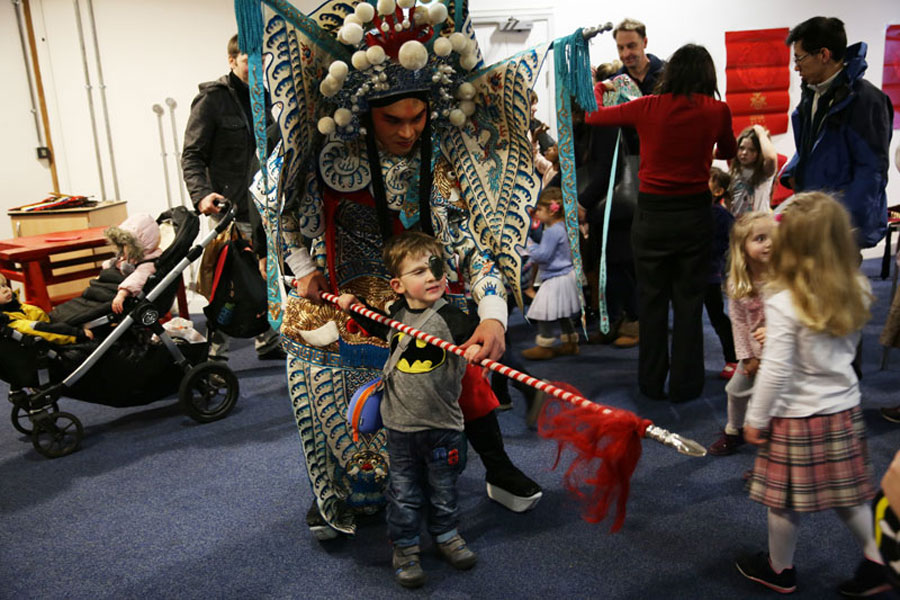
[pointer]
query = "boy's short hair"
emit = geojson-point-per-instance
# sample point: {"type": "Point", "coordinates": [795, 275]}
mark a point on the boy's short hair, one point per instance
{"type": "Point", "coordinates": [3, 280]}
{"type": "Point", "coordinates": [234, 50]}
{"type": "Point", "coordinates": [406, 244]}
{"type": "Point", "coordinates": [631, 25]}
{"type": "Point", "coordinates": [722, 178]}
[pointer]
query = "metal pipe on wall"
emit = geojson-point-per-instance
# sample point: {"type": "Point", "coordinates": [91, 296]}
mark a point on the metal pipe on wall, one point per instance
{"type": "Point", "coordinates": [90, 97]}
{"type": "Point", "coordinates": [34, 112]}
{"type": "Point", "coordinates": [39, 86]}
{"type": "Point", "coordinates": [170, 102]}
{"type": "Point", "coordinates": [162, 151]}
{"type": "Point", "coordinates": [102, 85]}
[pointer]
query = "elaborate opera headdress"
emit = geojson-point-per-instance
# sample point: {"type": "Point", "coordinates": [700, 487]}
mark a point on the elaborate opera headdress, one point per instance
{"type": "Point", "coordinates": [398, 51]}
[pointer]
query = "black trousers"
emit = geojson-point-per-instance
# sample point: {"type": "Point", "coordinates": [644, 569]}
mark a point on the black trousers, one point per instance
{"type": "Point", "coordinates": [715, 310]}
{"type": "Point", "coordinates": [671, 236]}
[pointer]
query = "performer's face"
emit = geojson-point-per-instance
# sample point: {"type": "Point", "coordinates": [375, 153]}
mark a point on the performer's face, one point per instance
{"type": "Point", "coordinates": [417, 282]}
{"type": "Point", "coordinates": [238, 65]}
{"type": "Point", "coordinates": [631, 47]}
{"type": "Point", "coordinates": [399, 125]}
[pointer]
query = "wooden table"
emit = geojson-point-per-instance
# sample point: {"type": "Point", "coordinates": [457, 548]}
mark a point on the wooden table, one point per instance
{"type": "Point", "coordinates": [36, 260]}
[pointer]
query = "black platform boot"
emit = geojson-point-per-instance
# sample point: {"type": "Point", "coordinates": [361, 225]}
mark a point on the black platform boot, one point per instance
{"type": "Point", "coordinates": [506, 484]}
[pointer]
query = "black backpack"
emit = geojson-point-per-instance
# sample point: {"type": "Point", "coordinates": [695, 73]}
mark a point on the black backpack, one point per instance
{"type": "Point", "coordinates": [238, 304]}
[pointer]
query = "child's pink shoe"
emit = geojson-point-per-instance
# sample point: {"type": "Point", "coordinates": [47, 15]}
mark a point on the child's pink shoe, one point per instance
{"type": "Point", "coordinates": [728, 371]}
{"type": "Point", "coordinates": [727, 444]}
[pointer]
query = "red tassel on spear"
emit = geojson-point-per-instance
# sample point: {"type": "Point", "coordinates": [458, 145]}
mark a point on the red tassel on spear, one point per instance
{"type": "Point", "coordinates": [606, 440]}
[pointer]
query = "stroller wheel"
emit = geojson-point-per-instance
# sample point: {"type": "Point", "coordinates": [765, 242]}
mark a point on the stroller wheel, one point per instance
{"type": "Point", "coordinates": [208, 392]}
{"type": "Point", "coordinates": [57, 434]}
{"type": "Point", "coordinates": [22, 422]}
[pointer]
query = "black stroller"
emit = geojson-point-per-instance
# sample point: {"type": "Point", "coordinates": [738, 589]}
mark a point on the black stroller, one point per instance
{"type": "Point", "coordinates": [132, 361]}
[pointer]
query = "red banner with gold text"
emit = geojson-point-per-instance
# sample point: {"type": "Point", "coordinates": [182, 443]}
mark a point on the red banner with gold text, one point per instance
{"type": "Point", "coordinates": [758, 78]}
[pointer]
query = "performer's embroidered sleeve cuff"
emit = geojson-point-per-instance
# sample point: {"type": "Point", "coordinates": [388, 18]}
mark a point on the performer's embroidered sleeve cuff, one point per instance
{"type": "Point", "coordinates": [300, 262]}
{"type": "Point", "coordinates": [493, 307]}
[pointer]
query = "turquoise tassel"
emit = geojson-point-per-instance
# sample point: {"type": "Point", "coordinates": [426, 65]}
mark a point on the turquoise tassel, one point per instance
{"type": "Point", "coordinates": [248, 14]}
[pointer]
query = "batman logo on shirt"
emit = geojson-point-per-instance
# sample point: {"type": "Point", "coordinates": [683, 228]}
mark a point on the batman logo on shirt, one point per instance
{"type": "Point", "coordinates": [419, 356]}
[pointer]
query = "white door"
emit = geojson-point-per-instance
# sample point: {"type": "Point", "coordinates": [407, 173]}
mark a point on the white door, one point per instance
{"type": "Point", "coordinates": [497, 44]}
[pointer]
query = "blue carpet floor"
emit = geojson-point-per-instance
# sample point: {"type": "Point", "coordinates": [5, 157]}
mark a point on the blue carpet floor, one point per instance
{"type": "Point", "coordinates": [156, 506]}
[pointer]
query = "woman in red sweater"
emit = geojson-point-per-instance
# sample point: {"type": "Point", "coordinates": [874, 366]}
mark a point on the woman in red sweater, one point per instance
{"type": "Point", "coordinates": [679, 127]}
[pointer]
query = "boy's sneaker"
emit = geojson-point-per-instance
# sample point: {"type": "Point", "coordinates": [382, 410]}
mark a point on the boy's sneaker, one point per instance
{"type": "Point", "coordinates": [870, 579]}
{"type": "Point", "coordinates": [457, 553]}
{"type": "Point", "coordinates": [757, 568]}
{"type": "Point", "coordinates": [407, 568]}
{"type": "Point", "coordinates": [891, 414]}
{"type": "Point", "coordinates": [727, 444]}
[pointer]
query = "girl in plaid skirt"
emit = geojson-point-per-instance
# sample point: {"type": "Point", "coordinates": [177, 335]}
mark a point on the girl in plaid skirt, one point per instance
{"type": "Point", "coordinates": [804, 413]}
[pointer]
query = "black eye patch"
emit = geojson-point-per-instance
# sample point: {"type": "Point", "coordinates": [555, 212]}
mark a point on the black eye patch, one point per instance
{"type": "Point", "coordinates": [436, 266]}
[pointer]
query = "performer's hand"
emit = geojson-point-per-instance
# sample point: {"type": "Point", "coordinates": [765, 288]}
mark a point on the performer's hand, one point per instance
{"type": "Point", "coordinates": [309, 286]}
{"type": "Point", "coordinates": [345, 301]}
{"type": "Point", "coordinates": [755, 436]}
{"type": "Point", "coordinates": [207, 206]}
{"type": "Point", "coordinates": [489, 334]}
{"type": "Point", "coordinates": [891, 483]}
{"type": "Point", "coordinates": [471, 352]}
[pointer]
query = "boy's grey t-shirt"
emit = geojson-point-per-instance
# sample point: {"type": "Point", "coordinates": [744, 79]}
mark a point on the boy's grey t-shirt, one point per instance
{"type": "Point", "coordinates": [422, 392]}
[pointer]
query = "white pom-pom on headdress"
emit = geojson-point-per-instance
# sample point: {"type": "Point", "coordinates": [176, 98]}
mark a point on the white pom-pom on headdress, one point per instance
{"type": "Point", "coordinates": [468, 61]}
{"type": "Point", "coordinates": [457, 117]}
{"type": "Point", "coordinates": [360, 60]}
{"type": "Point", "coordinates": [458, 41]}
{"type": "Point", "coordinates": [329, 86]}
{"type": "Point", "coordinates": [413, 55]}
{"type": "Point", "coordinates": [376, 55]}
{"type": "Point", "coordinates": [352, 33]}
{"type": "Point", "coordinates": [386, 7]}
{"type": "Point", "coordinates": [467, 107]}
{"type": "Point", "coordinates": [365, 12]}
{"type": "Point", "coordinates": [406, 3]}
{"type": "Point", "coordinates": [442, 46]}
{"type": "Point", "coordinates": [465, 91]}
{"type": "Point", "coordinates": [437, 13]}
{"type": "Point", "coordinates": [339, 69]}
{"type": "Point", "coordinates": [326, 126]}
{"type": "Point", "coordinates": [352, 18]}
{"type": "Point", "coordinates": [342, 117]}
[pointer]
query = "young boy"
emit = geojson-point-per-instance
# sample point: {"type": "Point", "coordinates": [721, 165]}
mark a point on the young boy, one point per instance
{"type": "Point", "coordinates": [16, 368]}
{"type": "Point", "coordinates": [419, 407]}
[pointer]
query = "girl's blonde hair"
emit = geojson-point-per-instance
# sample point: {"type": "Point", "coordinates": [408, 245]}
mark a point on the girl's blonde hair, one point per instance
{"type": "Point", "coordinates": [815, 257]}
{"type": "Point", "coordinates": [740, 280]}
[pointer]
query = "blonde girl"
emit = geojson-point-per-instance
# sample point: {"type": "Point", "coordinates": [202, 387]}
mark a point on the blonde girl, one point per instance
{"type": "Point", "coordinates": [804, 413]}
{"type": "Point", "coordinates": [750, 250]}
{"type": "Point", "coordinates": [558, 299]}
{"type": "Point", "coordinates": [753, 171]}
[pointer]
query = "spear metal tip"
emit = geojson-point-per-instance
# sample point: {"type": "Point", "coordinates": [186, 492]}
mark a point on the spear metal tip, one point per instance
{"type": "Point", "coordinates": [680, 443]}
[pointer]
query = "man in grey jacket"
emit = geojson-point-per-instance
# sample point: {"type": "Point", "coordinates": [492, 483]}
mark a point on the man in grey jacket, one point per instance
{"type": "Point", "coordinates": [219, 163]}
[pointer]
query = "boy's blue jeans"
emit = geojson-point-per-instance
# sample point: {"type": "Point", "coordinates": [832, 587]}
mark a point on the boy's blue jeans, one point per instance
{"type": "Point", "coordinates": [424, 468]}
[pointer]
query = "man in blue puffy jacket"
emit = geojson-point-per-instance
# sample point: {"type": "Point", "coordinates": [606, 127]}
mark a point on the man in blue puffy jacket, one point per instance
{"type": "Point", "coordinates": [842, 126]}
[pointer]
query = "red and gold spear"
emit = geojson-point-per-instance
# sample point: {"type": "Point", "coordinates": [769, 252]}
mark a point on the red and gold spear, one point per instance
{"type": "Point", "coordinates": [595, 432]}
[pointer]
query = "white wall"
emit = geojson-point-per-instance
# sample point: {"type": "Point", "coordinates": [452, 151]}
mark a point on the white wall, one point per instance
{"type": "Point", "coordinates": [154, 50]}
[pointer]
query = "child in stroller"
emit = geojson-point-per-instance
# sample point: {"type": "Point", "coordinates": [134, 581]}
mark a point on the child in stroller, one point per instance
{"type": "Point", "coordinates": [133, 361]}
